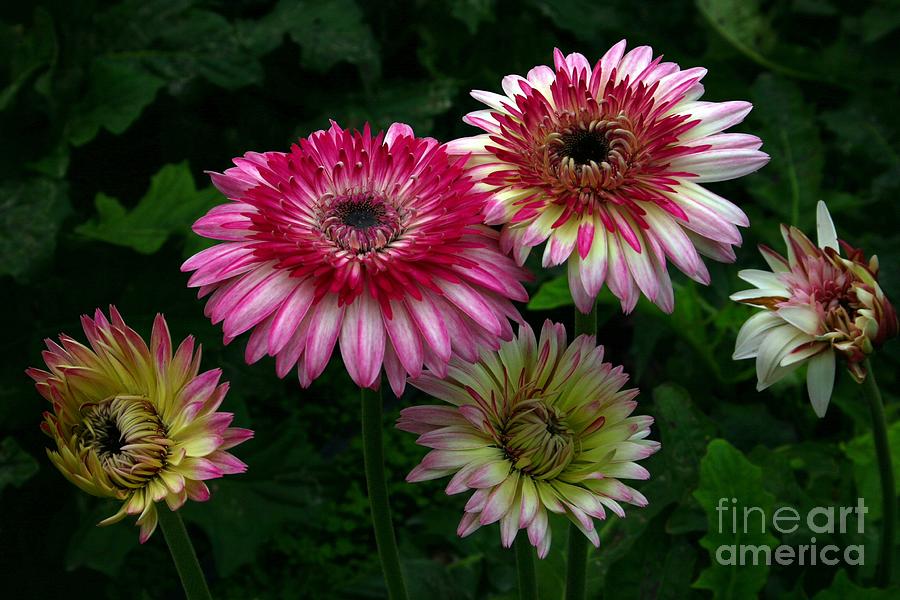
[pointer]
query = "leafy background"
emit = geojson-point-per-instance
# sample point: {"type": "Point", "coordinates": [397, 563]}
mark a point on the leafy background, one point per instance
{"type": "Point", "coordinates": [110, 113]}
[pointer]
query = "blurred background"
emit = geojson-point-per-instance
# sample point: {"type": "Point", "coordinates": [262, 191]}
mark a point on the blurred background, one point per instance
{"type": "Point", "coordinates": [111, 112]}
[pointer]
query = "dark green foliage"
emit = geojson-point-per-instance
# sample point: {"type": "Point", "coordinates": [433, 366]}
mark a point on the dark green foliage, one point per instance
{"type": "Point", "coordinates": [110, 113]}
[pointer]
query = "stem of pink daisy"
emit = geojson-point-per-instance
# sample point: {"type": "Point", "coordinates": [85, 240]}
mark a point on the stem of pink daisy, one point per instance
{"type": "Point", "coordinates": [576, 561]}
{"type": "Point", "coordinates": [373, 457]}
{"type": "Point", "coordinates": [886, 470]}
{"type": "Point", "coordinates": [525, 567]}
{"type": "Point", "coordinates": [192, 579]}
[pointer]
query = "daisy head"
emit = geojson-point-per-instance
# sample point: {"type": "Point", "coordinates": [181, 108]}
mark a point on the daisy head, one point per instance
{"type": "Point", "coordinates": [538, 426]}
{"type": "Point", "coordinates": [133, 422]}
{"type": "Point", "coordinates": [371, 241]}
{"type": "Point", "coordinates": [604, 164]}
{"type": "Point", "coordinates": [818, 306]}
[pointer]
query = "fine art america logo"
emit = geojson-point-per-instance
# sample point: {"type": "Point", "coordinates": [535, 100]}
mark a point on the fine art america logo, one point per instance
{"type": "Point", "coordinates": [735, 519]}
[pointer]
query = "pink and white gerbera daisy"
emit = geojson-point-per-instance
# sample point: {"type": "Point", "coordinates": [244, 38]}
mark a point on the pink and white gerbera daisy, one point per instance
{"type": "Point", "coordinates": [537, 426]}
{"type": "Point", "coordinates": [604, 164]}
{"type": "Point", "coordinates": [372, 241]}
{"type": "Point", "coordinates": [818, 306]}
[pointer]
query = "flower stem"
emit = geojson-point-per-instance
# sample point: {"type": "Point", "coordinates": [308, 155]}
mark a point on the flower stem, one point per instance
{"type": "Point", "coordinates": [183, 554]}
{"type": "Point", "coordinates": [886, 470]}
{"type": "Point", "coordinates": [525, 566]}
{"type": "Point", "coordinates": [373, 457]}
{"type": "Point", "coordinates": [576, 562]}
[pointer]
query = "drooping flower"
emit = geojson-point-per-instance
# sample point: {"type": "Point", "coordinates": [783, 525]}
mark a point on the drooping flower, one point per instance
{"type": "Point", "coordinates": [373, 240]}
{"type": "Point", "coordinates": [136, 423]}
{"type": "Point", "coordinates": [537, 426]}
{"type": "Point", "coordinates": [604, 164]}
{"type": "Point", "coordinates": [818, 306]}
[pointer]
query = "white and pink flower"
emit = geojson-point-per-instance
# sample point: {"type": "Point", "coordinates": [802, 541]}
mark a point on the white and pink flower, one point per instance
{"type": "Point", "coordinates": [604, 164]}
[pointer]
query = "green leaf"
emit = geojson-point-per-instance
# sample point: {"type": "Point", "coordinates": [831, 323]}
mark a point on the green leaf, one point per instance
{"type": "Point", "coordinates": [790, 184]}
{"type": "Point", "coordinates": [685, 431]}
{"type": "Point", "coordinates": [248, 510]}
{"type": "Point", "coordinates": [31, 213]}
{"type": "Point", "coordinates": [586, 19]}
{"type": "Point", "coordinates": [842, 588]}
{"type": "Point", "coordinates": [169, 207]}
{"type": "Point", "coordinates": [16, 465]}
{"type": "Point", "coordinates": [552, 294]}
{"type": "Point", "coordinates": [177, 42]}
{"type": "Point", "coordinates": [861, 451]}
{"type": "Point", "coordinates": [725, 474]}
{"type": "Point", "coordinates": [416, 103]}
{"type": "Point", "coordinates": [472, 12]}
{"type": "Point", "coordinates": [117, 93]}
{"type": "Point", "coordinates": [327, 33]}
{"type": "Point", "coordinates": [102, 549]}
{"type": "Point", "coordinates": [744, 25]}
{"type": "Point", "coordinates": [29, 53]}
{"type": "Point", "coordinates": [657, 567]}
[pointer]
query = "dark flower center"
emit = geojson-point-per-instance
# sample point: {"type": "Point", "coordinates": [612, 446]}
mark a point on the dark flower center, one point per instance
{"type": "Point", "coordinates": [360, 221]}
{"type": "Point", "coordinates": [361, 214]}
{"type": "Point", "coordinates": [128, 438]}
{"type": "Point", "coordinates": [584, 146]}
{"type": "Point", "coordinates": [108, 438]}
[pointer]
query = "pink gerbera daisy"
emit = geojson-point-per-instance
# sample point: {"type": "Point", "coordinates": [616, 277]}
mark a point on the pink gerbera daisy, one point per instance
{"type": "Point", "coordinates": [373, 240]}
{"type": "Point", "coordinates": [604, 163]}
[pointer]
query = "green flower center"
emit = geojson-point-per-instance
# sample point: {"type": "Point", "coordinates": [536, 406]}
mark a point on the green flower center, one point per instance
{"type": "Point", "coordinates": [127, 437]}
{"type": "Point", "coordinates": [538, 440]}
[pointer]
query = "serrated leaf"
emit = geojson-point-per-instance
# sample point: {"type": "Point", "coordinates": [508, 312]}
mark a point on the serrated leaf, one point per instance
{"type": "Point", "coordinates": [31, 213]}
{"type": "Point", "coordinates": [16, 465]}
{"type": "Point", "coordinates": [169, 207]}
{"type": "Point", "coordinates": [790, 184]}
{"type": "Point", "coordinates": [117, 93]}
{"type": "Point", "coordinates": [724, 474]}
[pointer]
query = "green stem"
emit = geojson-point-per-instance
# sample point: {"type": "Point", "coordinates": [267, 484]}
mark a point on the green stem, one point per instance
{"type": "Point", "coordinates": [183, 554]}
{"type": "Point", "coordinates": [576, 563]}
{"type": "Point", "coordinates": [373, 457]}
{"type": "Point", "coordinates": [886, 470]}
{"type": "Point", "coordinates": [525, 566]}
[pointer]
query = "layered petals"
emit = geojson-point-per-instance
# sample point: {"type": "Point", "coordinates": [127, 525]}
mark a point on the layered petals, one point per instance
{"type": "Point", "coordinates": [818, 306]}
{"type": "Point", "coordinates": [603, 164]}
{"type": "Point", "coordinates": [370, 242]}
{"type": "Point", "coordinates": [537, 426]}
{"type": "Point", "coordinates": [134, 422]}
